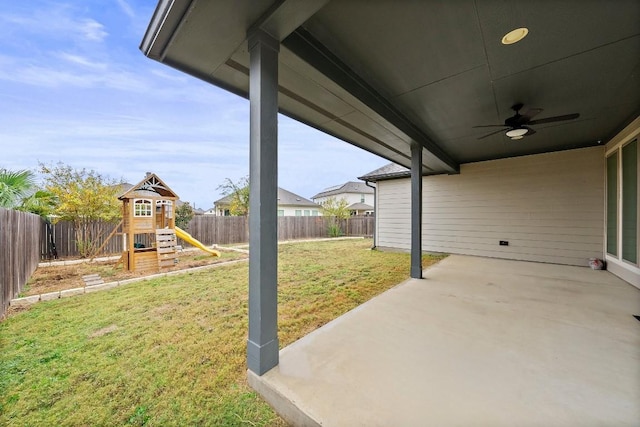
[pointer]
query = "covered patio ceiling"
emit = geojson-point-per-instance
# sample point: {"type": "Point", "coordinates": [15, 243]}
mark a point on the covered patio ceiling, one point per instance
{"type": "Point", "coordinates": [383, 74]}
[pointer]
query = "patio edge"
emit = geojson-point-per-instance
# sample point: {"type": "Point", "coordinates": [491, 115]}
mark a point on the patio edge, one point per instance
{"type": "Point", "coordinates": [285, 407]}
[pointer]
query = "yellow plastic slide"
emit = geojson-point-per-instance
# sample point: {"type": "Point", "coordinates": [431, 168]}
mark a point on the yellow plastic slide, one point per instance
{"type": "Point", "coordinates": [189, 239]}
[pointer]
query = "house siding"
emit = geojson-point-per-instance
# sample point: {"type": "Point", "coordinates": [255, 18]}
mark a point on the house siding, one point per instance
{"type": "Point", "coordinates": [290, 210]}
{"type": "Point", "coordinates": [351, 198]}
{"type": "Point", "coordinates": [549, 207]}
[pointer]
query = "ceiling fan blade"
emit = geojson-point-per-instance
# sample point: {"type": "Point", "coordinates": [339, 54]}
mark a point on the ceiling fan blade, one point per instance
{"type": "Point", "coordinates": [532, 112]}
{"type": "Point", "coordinates": [489, 126]}
{"type": "Point", "coordinates": [493, 133]}
{"type": "Point", "coordinates": [530, 131]}
{"type": "Point", "coordinates": [554, 119]}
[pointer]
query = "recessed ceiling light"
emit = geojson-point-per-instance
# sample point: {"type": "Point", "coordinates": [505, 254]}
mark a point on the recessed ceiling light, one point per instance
{"type": "Point", "coordinates": [519, 132]}
{"type": "Point", "coordinates": [515, 36]}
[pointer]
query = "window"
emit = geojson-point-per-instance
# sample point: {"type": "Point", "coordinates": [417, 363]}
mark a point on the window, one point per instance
{"type": "Point", "coordinates": [630, 202]}
{"type": "Point", "coordinates": [168, 210]}
{"type": "Point", "coordinates": [622, 203]}
{"type": "Point", "coordinates": [314, 212]}
{"type": "Point", "coordinates": [280, 212]}
{"type": "Point", "coordinates": [612, 204]}
{"type": "Point", "coordinates": [298, 212]}
{"type": "Point", "coordinates": [307, 212]}
{"type": "Point", "coordinates": [362, 198]}
{"type": "Point", "coordinates": [141, 207]}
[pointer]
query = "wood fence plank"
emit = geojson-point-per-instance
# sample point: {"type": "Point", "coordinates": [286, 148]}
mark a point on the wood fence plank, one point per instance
{"type": "Point", "coordinates": [20, 240]}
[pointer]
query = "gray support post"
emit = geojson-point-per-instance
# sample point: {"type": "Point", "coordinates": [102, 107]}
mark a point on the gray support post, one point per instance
{"type": "Point", "coordinates": [262, 346]}
{"type": "Point", "coordinates": [416, 211]}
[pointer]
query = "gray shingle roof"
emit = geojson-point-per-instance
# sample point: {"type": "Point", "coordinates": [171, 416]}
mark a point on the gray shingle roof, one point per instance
{"type": "Point", "coordinates": [348, 187]}
{"type": "Point", "coordinates": [285, 198]}
{"type": "Point", "coordinates": [360, 207]}
{"type": "Point", "coordinates": [389, 171]}
{"type": "Point", "coordinates": [288, 198]}
{"type": "Point", "coordinates": [223, 201]}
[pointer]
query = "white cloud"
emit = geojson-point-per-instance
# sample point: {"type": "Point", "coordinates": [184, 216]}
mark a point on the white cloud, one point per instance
{"type": "Point", "coordinates": [81, 60]}
{"type": "Point", "coordinates": [171, 76]}
{"type": "Point", "coordinates": [57, 75]}
{"type": "Point", "coordinates": [39, 76]}
{"type": "Point", "coordinates": [126, 8]}
{"type": "Point", "coordinates": [59, 21]}
{"type": "Point", "coordinates": [91, 30]}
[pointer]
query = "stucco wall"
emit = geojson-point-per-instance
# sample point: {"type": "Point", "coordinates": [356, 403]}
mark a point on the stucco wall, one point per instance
{"type": "Point", "coordinates": [549, 207]}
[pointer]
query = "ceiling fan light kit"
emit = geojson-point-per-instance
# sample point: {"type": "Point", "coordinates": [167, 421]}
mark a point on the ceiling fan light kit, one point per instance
{"type": "Point", "coordinates": [516, 133]}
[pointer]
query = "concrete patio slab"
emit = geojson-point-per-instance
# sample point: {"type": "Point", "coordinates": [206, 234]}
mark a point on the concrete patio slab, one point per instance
{"type": "Point", "coordinates": [477, 342]}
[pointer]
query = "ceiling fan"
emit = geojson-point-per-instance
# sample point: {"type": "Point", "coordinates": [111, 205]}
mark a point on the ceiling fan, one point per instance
{"type": "Point", "coordinates": [517, 126]}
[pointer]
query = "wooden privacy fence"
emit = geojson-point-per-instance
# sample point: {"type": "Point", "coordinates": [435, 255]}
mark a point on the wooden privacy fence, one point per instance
{"type": "Point", "coordinates": [210, 229]}
{"type": "Point", "coordinates": [65, 239]}
{"type": "Point", "coordinates": [358, 226]}
{"type": "Point", "coordinates": [20, 237]}
{"type": "Point", "coordinates": [221, 230]}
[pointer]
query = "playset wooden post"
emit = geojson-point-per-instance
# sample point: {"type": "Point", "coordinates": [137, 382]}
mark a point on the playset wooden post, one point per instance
{"type": "Point", "coordinates": [148, 228]}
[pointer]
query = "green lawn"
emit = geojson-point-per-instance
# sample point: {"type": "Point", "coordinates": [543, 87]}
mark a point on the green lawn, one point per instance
{"type": "Point", "coordinates": [172, 351]}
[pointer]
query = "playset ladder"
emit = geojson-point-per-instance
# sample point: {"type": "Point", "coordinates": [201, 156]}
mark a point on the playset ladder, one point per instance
{"type": "Point", "coordinates": [166, 246]}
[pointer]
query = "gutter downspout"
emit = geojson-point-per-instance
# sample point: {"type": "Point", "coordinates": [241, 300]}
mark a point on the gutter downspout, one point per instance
{"type": "Point", "coordinates": [375, 213]}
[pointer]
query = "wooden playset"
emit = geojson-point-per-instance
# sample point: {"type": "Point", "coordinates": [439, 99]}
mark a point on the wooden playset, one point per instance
{"type": "Point", "coordinates": [148, 226]}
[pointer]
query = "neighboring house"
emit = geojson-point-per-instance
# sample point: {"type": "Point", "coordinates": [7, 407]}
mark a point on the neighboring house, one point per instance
{"type": "Point", "coordinates": [289, 204]}
{"type": "Point", "coordinates": [210, 211]}
{"type": "Point", "coordinates": [358, 195]}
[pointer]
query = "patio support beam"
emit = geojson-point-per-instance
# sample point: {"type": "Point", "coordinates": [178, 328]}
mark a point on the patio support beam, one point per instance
{"type": "Point", "coordinates": [262, 346]}
{"type": "Point", "coordinates": [310, 50]}
{"type": "Point", "coordinates": [416, 211]}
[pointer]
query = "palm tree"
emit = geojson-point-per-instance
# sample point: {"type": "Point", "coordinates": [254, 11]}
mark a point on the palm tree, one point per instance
{"type": "Point", "coordinates": [18, 191]}
{"type": "Point", "coordinates": [41, 203]}
{"type": "Point", "coordinates": [15, 186]}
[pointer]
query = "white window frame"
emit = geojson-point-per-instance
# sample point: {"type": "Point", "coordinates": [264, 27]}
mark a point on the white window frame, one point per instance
{"type": "Point", "coordinates": [168, 212]}
{"type": "Point", "coordinates": [621, 204]}
{"type": "Point", "coordinates": [614, 147]}
{"type": "Point", "coordinates": [139, 204]}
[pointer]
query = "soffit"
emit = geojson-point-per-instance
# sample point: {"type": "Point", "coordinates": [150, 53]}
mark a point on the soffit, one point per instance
{"type": "Point", "coordinates": [383, 74]}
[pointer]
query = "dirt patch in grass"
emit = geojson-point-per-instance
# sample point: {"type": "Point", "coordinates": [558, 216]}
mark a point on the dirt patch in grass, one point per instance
{"type": "Point", "coordinates": [61, 277]}
{"type": "Point", "coordinates": [103, 331]}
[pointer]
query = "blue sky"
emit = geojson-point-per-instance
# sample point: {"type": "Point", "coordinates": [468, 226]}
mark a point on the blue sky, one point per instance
{"type": "Point", "coordinates": [75, 88]}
